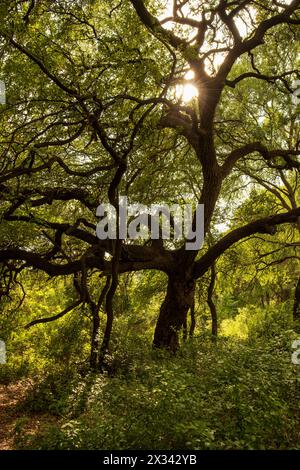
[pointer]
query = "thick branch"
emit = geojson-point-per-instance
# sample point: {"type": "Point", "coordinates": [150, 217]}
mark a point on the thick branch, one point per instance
{"type": "Point", "coordinates": [257, 39]}
{"type": "Point", "coordinates": [266, 78]}
{"type": "Point", "coordinates": [265, 225]}
{"type": "Point", "coordinates": [188, 51]}
{"type": "Point", "coordinates": [268, 155]}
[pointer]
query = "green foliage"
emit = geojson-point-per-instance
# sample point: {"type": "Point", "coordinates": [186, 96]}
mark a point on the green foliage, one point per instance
{"type": "Point", "coordinates": [253, 322]}
{"type": "Point", "coordinates": [228, 395]}
{"type": "Point", "coordinates": [84, 75]}
{"type": "Point", "coordinates": [51, 392]}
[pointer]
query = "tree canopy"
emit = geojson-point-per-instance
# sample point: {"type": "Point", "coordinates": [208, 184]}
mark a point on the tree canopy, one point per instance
{"type": "Point", "coordinates": [171, 102]}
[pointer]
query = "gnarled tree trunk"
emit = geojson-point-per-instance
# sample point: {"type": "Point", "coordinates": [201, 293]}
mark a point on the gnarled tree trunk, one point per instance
{"type": "Point", "coordinates": [173, 312]}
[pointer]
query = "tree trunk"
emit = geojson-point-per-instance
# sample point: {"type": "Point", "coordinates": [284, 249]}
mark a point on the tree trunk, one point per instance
{"type": "Point", "coordinates": [184, 329]}
{"type": "Point", "coordinates": [210, 302]}
{"type": "Point", "coordinates": [109, 304]}
{"type": "Point", "coordinates": [95, 336]}
{"type": "Point", "coordinates": [193, 319]}
{"type": "Point", "coordinates": [95, 340]}
{"type": "Point", "coordinates": [109, 323]}
{"type": "Point", "coordinates": [173, 312]}
{"type": "Point", "coordinates": [296, 309]}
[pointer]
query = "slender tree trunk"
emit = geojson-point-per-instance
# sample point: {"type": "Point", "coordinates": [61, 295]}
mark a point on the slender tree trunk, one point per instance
{"type": "Point", "coordinates": [185, 332]}
{"type": "Point", "coordinates": [173, 312]}
{"type": "Point", "coordinates": [95, 340]}
{"type": "Point", "coordinates": [184, 328]}
{"type": "Point", "coordinates": [296, 309]}
{"type": "Point", "coordinates": [113, 196]}
{"type": "Point", "coordinates": [109, 324]}
{"type": "Point", "coordinates": [193, 319]}
{"type": "Point", "coordinates": [109, 306]}
{"type": "Point", "coordinates": [210, 302]}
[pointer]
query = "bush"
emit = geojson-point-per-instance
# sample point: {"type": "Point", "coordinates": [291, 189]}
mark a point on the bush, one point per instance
{"type": "Point", "coordinates": [51, 393]}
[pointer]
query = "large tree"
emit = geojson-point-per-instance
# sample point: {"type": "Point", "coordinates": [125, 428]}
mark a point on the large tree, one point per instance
{"type": "Point", "coordinates": [94, 111]}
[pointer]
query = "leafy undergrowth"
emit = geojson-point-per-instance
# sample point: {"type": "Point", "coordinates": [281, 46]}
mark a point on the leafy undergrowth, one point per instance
{"type": "Point", "coordinates": [228, 395]}
{"type": "Point", "coordinates": [16, 419]}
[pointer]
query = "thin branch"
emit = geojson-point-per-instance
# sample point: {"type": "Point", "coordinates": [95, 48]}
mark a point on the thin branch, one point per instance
{"type": "Point", "coordinates": [55, 317]}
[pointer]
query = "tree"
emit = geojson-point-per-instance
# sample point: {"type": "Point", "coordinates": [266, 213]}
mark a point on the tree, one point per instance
{"type": "Point", "coordinates": [102, 118]}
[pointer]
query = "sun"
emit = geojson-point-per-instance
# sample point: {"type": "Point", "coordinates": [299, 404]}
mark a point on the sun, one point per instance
{"type": "Point", "coordinates": [187, 92]}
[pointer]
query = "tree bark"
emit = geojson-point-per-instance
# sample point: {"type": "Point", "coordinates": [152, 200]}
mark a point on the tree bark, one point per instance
{"type": "Point", "coordinates": [296, 309]}
{"type": "Point", "coordinates": [173, 312]}
{"type": "Point", "coordinates": [184, 329]}
{"type": "Point", "coordinates": [95, 340]}
{"type": "Point", "coordinates": [210, 302]}
{"type": "Point", "coordinates": [193, 319]}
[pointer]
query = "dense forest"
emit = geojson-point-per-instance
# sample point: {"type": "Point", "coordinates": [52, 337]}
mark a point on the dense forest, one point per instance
{"type": "Point", "coordinates": [125, 342]}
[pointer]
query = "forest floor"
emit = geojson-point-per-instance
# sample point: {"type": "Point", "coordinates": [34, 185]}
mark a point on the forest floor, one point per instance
{"type": "Point", "coordinates": [12, 417]}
